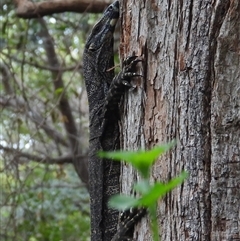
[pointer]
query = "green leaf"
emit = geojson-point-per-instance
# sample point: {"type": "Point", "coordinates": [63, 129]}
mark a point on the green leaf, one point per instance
{"type": "Point", "coordinates": [58, 91]}
{"type": "Point", "coordinates": [159, 189]}
{"type": "Point", "coordinates": [122, 202]}
{"type": "Point", "coordinates": [142, 187]}
{"type": "Point", "coordinates": [141, 160]}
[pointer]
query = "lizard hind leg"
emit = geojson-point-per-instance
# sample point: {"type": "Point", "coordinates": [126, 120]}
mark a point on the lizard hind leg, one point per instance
{"type": "Point", "coordinates": [127, 221]}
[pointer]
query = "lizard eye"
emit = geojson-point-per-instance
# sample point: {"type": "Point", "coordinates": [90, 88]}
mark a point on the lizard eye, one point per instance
{"type": "Point", "coordinates": [97, 28]}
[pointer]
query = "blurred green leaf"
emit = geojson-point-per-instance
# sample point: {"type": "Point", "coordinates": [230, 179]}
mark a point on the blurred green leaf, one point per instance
{"type": "Point", "coordinates": [122, 202]}
{"type": "Point", "coordinates": [158, 190]}
{"type": "Point", "coordinates": [141, 160]}
{"type": "Point", "coordinates": [142, 186]}
{"type": "Point", "coordinates": [58, 91]}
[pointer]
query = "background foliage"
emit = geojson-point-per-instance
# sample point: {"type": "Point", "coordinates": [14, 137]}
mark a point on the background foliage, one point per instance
{"type": "Point", "coordinates": [42, 197]}
{"type": "Point", "coordinates": [43, 203]}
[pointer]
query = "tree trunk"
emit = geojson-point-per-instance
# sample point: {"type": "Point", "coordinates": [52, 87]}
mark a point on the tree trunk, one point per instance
{"type": "Point", "coordinates": [190, 92]}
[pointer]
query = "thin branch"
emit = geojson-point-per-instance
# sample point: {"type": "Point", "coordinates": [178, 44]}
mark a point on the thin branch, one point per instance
{"type": "Point", "coordinates": [20, 107]}
{"type": "Point", "coordinates": [6, 76]}
{"type": "Point", "coordinates": [27, 9]}
{"type": "Point", "coordinates": [34, 64]}
{"type": "Point", "coordinates": [40, 159]}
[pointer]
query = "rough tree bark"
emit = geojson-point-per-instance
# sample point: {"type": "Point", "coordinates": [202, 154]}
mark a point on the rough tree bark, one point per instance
{"type": "Point", "coordinates": [191, 92]}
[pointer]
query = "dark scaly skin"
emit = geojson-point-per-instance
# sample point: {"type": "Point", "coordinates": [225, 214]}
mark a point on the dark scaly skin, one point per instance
{"type": "Point", "coordinates": [103, 174]}
{"type": "Point", "coordinates": [104, 93]}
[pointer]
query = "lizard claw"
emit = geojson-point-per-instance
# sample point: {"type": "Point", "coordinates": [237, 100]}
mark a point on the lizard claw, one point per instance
{"type": "Point", "coordinates": [132, 60]}
{"type": "Point", "coordinates": [128, 70]}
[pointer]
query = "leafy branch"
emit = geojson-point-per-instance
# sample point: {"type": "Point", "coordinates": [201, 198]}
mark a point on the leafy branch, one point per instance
{"type": "Point", "coordinates": [148, 193]}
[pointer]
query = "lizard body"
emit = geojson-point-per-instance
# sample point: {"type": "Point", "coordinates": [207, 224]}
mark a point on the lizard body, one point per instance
{"type": "Point", "coordinates": [104, 93]}
{"type": "Point", "coordinates": [103, 174]}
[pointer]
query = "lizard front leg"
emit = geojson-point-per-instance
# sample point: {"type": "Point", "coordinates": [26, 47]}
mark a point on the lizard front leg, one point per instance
{"type": "Point", "coordinates": [117, 89]}
{"type": "Point", "coordinates": [119, 84]}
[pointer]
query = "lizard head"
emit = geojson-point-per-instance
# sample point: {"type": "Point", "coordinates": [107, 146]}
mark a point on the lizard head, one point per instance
{"type": "Point", "coordinates": [102, 33]}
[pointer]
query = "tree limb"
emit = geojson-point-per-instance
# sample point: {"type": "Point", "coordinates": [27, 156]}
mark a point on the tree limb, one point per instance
{"type": "Point", "coordinates": [40, 159]}
{"type": "Point", "coordinates": [35, 64]}
{"type": "Point", "coordinates": [64, 106]}
{"type": "Point", "coordinates": [27, 9]}
{"type": "Point", "coordinates": [58, 84]}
